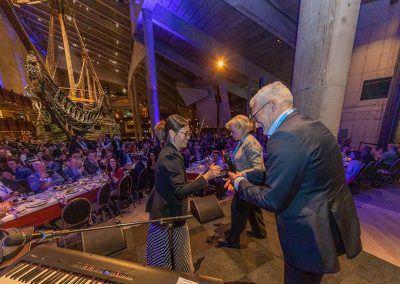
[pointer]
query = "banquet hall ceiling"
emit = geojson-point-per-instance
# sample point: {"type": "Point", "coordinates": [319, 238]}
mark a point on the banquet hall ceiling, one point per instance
{"type": "Point", "coordinates": [252, 36]}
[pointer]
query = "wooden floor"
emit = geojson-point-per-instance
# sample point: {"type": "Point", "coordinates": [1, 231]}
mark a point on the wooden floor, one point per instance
{"type": "Point", "coordinates": [380, 226]}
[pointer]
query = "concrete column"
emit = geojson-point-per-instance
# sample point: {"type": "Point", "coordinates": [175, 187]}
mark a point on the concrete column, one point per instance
{"type": "Point", "coordinates": [151, 75]}
{"type": "Point", "coordinates": [324, 47]}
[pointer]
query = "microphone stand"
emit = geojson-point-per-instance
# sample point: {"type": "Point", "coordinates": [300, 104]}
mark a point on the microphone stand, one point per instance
{"type": "Point", "coordinates": [48, 234]}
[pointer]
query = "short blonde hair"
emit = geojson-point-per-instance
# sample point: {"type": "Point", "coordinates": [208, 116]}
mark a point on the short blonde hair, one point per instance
{"type": "Point", "coordinates": [241, 122]}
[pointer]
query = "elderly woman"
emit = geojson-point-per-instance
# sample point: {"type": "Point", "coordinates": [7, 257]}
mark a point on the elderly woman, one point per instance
{"type": "Point", "coordinates": [248, 156]}
{"type": "Point", "coordinates": [41, 180]}
{"type": "Point", "coordinates": [170, 198]}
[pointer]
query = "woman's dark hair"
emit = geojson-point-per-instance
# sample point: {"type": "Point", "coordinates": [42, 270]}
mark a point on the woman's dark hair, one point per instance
{"type": "Point", "coordinates": [174, 122]}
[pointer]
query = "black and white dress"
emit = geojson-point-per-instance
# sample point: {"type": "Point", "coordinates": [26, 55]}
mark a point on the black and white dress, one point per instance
{"type": "Point", "coordinates": [169, 199]}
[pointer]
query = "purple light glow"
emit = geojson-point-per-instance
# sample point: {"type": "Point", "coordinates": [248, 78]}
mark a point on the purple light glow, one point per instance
{"type": "Point", "coordinates": [1, 80]}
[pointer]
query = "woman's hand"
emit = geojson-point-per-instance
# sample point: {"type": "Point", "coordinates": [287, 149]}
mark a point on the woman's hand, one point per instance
{"type": "Point", "coordinates": [213, 172]}
{"type": "Point", "coordinates": [228, 185]}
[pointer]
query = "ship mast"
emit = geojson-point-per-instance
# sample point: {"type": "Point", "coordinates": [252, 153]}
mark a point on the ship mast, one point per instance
{"type": "Point", "coordinates": [70, 70]}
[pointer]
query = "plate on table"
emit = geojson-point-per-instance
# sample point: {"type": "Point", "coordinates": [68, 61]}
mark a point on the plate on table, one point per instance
{"type": "Point", "coordinates": [36, 203]}
{"type": "Point", "coordinates": [71, 191]}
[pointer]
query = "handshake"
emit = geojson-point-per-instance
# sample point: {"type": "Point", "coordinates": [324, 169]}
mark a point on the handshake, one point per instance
{"type": "Point", "coordinates": [215, 171]}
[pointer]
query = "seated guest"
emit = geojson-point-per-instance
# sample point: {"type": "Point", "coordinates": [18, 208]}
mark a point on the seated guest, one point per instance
{"type": "Point", "coordinates": [51, 166]}
{"type": "Point", "coordinates": [72, 172]}
{"type": "Point", "coordinates": [8, 179]}
{"type": "Point", "coordinates": [354, 166]}
{"type": "Point", "coordinates": [91, 166]}
{"type": "Point", "coordinates": [116, 173]}
{"type": "Point", "coordinates": [139, 167]}
{"type": "Point", "coordinates": [390, 156]}
{"type": "Point", "coordinates": [5, 192]}
{"type": "Point", "coordinates": [42, 180]}
{"type": "Point", "coordinates": [366, 155]}
{"type": "Point", "coordinates": [17, 170]}
{"type": "Point", "coordinates": [104, 162]}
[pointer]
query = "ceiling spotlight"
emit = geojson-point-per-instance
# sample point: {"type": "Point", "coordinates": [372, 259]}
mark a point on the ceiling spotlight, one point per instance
{"type": "Point", "coordinates": [124, 90]}
{"type": "Point", "coordinates": [117, 25]}
{"type": "Point", "coordinates": [99, 55]}
{"type": "Point", "coordinates": [117, 42]}
{"type": "Point", "coordinates": [116, 53]}
{"type": "Point", "coordinates": [74, 44]}
{"type": "Point", "coordinates": [116, 70]}
{"type": "Point", "coordinates": [87, 8]}
{"type": "Point", "coordinates": [220, 63]}
{"type": "Point", "coordinates": [39, 19]}
{"type": "Point", "coordinates": [279, 41]}
{"type": "Point", "coordinates": [69, 18]}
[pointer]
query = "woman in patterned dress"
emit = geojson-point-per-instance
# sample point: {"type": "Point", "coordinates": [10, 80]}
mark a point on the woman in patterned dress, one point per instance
{"type": "Point", "coordinates": [170, 198]}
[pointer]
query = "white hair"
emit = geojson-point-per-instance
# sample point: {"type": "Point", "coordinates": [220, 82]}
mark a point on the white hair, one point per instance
{"type": "Point", "coordinates": [277, 91]}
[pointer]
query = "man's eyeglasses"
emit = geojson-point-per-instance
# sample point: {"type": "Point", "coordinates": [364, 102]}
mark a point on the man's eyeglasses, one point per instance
{"type": "Point", "coordinates": [253, 116]}
{"type": "Point", "coordinates": [188, 133]}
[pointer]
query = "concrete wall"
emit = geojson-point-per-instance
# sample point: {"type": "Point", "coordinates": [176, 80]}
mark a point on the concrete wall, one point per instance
{"type": "Point", "coordinates": [374, 56]}
{"type": "Point", "coordinates": [12, 58]}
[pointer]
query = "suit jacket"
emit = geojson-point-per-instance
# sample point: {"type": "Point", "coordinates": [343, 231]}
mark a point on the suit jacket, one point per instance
{"type": "Point", "coordinates": [305, 186]}
{"type": "Point", "coordinates": [171, 187]}
{"type": "Point", "coordinates": [249, 156]}
{"type": "Point", "coordinates": [70, 174]}
{"type": "Point", "coordinates": [90, 168]}
{"type": "Point", "coordinates": [135, 173]}
{"type": "Point", "coordinates": [22, 173]}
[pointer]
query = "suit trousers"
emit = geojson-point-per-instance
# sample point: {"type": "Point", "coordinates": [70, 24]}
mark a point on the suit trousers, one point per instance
{"type": "Point", "coordinates": [241, 211]}
{"type": "Point", "coordinates": [294, 275]}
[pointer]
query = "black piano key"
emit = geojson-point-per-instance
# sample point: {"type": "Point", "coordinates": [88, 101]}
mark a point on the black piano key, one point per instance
{"type": "Point", "coordinates": [54, 278]}
{"type": "Point", "coordinates": [29, 275]}
{"type": "Point", "coordinates": [68, 279]}
{"type": "Point", "coordinates": [16, 268]}
{"type": "Point", "coordinates": [44, 280]}
{"type": "Point", "coordinates": [22, 272]}
{"type": "Point", "coordinates": [13, 272]}
{"type": "Point", "coordinates": [42, 276]}
{"type": "Point", "coordinates": [44, 271]}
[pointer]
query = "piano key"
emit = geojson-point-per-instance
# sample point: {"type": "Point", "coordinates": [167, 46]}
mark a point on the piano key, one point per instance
{"type": "Point", "coordinates": [44, 270]}
{"type": "Point", "coordinates": [22, 272]}
{"type": "Point", "coordinates": [53, 278]}
{"type": "Point", "coordinates": [63, 277]}
{"type": "Point", "coordinates": [66, 280]}
{"type": "Point", "coordinates": [29, 275]}
{"type": "Point", "coordinates": [13, 272]}
{"type": "Point", "coordinates": [49, 277]}
{"type": "Point", "coordinates": [42, 277]}
{"type": "Point", "coordinates": [16, 268]}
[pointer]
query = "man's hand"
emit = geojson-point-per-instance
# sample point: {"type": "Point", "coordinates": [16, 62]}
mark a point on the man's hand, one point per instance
{"type": "Point", "coordinates": [233, 176]}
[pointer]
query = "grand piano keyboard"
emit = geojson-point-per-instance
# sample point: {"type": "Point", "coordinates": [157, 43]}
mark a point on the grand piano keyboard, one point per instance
{"type": "Point", "coordinates": [52, 265]}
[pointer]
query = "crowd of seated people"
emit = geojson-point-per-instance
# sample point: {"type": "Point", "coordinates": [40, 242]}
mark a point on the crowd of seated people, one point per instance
{"type": "Point", "coordinates": [382, 159]}
{"type": "Point", "coordinates": [34, 166]}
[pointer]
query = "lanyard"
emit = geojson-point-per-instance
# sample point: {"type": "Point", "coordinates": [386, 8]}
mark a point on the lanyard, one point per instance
{"type": "Point", "coordinates": [238, 145]}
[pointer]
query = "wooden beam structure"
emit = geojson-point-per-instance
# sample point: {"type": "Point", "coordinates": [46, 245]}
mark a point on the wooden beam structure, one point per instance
{"type": "Point", "coordinates": [163, 18]}
{"type": "Point", "coordinates": [269, 17]}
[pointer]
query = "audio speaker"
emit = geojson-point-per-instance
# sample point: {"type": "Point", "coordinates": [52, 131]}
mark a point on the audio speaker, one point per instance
{"type": "Point", "coordinates": [104, 241]}
{"type": "Point", "coordinates": [206, 208]}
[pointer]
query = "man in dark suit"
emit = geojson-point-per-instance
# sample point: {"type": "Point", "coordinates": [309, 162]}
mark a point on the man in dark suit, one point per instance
{"type": "Point", "coordinates": [304, 185]}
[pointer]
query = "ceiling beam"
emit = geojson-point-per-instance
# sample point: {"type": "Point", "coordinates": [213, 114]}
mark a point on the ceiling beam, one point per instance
{"type": "Point", "coordinates": [122, 18]}
{"type": "Point", "coordinates": [163, 18]}
{"type": "Point", "coordinates": [78, 50]}
{"type": "Point", "coordinates": [194, 68]}
{"type": "Point", "coordinates": [268, 16]}
{"type": "Point", "coordinates": [80, 23]}
{"type": "Point", "coordinates": [172, 73]}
